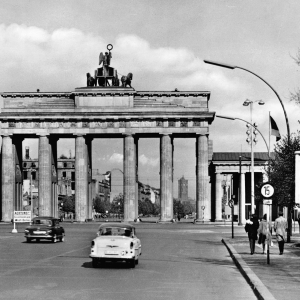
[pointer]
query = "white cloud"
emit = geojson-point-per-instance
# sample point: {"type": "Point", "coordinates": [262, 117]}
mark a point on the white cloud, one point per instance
{"type": "Point", "coordinates": [33, 58]}
{"type": "Point", "coordinates": [144, 160]}
{"type": "Point", "coordinates": [116, 158]}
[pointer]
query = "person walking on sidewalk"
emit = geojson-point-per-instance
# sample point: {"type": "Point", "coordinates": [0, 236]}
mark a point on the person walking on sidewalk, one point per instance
{"type": "Point", "coordinates": [251, 228]}
{"type": "Point", "coordinates": [280, 227]}
{"type": "Point", "coordinates": [265, 232]}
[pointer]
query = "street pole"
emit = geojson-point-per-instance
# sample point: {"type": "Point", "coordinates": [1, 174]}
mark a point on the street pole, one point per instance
{"type": "Point", "coordinates": [252, 163]}
{"type": "Point", "coordinates": [240, 192]}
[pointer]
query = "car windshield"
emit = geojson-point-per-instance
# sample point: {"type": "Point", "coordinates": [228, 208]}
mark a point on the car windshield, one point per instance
{"type": "Point", "coordinates": [115, 231]}
{"type": "Point", "coordinates": [42, 222]}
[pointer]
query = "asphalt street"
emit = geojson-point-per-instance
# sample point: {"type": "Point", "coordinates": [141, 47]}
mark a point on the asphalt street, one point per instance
{"type": "Point", "coordinates": [179, 261]}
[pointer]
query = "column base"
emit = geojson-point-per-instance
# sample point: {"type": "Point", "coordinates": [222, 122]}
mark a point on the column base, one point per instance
{"type": "Point", "coordinates": [166, 221]}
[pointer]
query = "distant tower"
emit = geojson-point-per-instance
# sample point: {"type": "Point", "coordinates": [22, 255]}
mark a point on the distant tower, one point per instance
{"type": "Point", "coordinates": [183, 185]}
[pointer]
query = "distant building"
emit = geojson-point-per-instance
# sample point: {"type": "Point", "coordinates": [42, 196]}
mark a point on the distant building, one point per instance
{"type": "Point", "coordinates": [183, 187]}
{"type": "Point", "coordinates": [145, 191]}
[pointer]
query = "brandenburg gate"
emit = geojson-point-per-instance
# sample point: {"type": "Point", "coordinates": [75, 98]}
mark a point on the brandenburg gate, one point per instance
{"type": "Point", "coordinates": [102, 111]}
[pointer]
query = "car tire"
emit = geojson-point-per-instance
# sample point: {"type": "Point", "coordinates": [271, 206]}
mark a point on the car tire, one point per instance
{"type": "Point", "coordinates": [95, 263]}
{"type": "Point", "coordinates": [136, 261]}
{"type": "Point", "coordinates": [131, 263]}
{"type": "Point", "coordinates": [28, 240]}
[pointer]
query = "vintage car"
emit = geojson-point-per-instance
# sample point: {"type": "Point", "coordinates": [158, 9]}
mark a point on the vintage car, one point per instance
{"type": "Point", "coordinates": [116, 242]}
{"type": "Point", "coordinates": [46, 228]}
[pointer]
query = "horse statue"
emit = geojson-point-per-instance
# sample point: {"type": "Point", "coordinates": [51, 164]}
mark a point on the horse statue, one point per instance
{"type": "Point", "coordinates": [90, 80]}
{"type": "Point", "coordinates": [126, 80]}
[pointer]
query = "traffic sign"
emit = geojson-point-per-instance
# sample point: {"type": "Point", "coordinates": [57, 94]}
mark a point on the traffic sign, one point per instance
{"type": "Point", "coordinates": [267, 190]}
{"type": "Point", "coordinates": [267, 202]}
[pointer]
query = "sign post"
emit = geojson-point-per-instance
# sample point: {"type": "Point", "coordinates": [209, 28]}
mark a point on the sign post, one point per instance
{"type": "Point", "coordinates": [21, 217]}
{"type": "Point", "coordinates": [267, 191]}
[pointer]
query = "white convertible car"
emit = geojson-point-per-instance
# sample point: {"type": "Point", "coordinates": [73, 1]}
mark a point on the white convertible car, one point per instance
{"type": "Point", "coordinates": [116, 242]}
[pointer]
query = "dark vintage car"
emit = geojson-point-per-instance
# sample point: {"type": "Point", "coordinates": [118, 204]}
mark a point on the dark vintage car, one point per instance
{"type": "Point", "coordinates": [45, 228]}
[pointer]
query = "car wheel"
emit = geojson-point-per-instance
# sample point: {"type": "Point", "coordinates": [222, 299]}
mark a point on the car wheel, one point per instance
{"type": "Point", "coordinates": [131, 263]}
{"type": "Point", "coordinates": [28, 240]}
{"type": "Point", "coordinates": [54, 239]}
{"type": "Point", "coordinates": [95, 263]}
{"type": "Point", "coordinates": [136, 261]}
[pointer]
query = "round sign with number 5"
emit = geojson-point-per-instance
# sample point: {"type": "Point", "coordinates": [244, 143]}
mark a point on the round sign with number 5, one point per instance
{"type": "Point", "coordinates": [267, 190]}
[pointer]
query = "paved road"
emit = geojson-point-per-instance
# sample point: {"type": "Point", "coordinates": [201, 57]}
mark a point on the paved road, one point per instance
{"type": "Point", "coordinates": [179, 261]}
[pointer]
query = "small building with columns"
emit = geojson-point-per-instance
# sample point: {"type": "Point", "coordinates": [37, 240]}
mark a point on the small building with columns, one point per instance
{"type": "Point", "coordinates": [230, 174]}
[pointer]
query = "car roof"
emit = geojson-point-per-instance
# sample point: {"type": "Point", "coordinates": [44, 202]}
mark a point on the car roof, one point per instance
{"type": "Point", "coordinates": [110, 225]}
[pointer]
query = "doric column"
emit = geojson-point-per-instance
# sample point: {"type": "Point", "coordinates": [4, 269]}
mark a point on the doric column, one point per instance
{"type": "Point", "coordinates": [203, 205]}
{"type": "Point", "coordinates": [8, 179]}
{"type": "Point", "coordinates": [218, 200]}
{"type": "Point", "coordinates": [242, 197]}
{"type": "Point", "coordinates": [166, 183]}
{"type": "Point", "coordinates": [81, 179]}
{"type": "Point", "coordinates": [45, 177]}
{"type": "Point", "coordinates": [129, 178]}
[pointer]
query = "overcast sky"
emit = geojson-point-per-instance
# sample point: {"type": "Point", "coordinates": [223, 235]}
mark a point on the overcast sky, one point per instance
{"type": "Point", "coordinates": [51, 45]}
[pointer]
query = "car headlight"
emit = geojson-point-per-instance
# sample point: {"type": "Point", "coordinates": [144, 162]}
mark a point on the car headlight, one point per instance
{"type": "Point", "coordinates": [26, 231]}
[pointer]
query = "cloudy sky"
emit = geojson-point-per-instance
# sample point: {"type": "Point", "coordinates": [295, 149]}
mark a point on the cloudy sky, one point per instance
{"type": "Point", "coordinates": [51, 45]}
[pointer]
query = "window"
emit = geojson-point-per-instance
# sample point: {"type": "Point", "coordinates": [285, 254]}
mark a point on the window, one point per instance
{"type": "Point", "coordinates": [64, 174]}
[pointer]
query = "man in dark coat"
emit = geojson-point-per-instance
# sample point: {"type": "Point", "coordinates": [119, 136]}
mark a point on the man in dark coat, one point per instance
{"type": "Point", "coordinates": [251, 228]}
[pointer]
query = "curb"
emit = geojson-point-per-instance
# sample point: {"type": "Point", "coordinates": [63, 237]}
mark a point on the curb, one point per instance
{"type": "Point", "coordinates": [259, 289]}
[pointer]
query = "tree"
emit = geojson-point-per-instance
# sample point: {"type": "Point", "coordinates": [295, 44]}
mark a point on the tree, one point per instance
{"type": "Point", "coordinates": [117, 205]}
{"type": "Point", "coordinates": [68, 203]}
{"type": "Point", "coordinates": [282, 170]}
{"type": "Point", "coordinates": [101, 206]}
{"type": "Point", "coordinates": [178, 207]}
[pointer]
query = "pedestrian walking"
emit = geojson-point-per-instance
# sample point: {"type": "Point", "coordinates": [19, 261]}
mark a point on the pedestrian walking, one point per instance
{"type": "Point", "coordinates": [251, 228]}
{"type": "Point", "coordinates": [280, 226]}
{"type": "Point", "coordinates": [265, 232]}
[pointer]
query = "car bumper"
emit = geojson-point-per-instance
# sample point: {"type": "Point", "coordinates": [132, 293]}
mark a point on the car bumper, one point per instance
{"type": "Point", "coordinates": [39, 236]}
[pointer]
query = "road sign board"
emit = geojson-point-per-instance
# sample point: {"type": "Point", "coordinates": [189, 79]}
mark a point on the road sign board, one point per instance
{"type": "Point", "coordinates": [267, 202]}
{"type": "Point", "coordinates": [267, 190]}
{"type": "Point", "coordinates": [22, 216]}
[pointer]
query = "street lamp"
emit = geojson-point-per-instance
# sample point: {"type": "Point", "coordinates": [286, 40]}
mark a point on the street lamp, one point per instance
{"type": "Point", "coordinates": [237, 67]}
{"type": "Point", "coordinates": [247, 103]}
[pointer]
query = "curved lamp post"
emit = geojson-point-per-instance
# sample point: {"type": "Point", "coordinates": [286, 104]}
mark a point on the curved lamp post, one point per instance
{"type": "Point", "coordinates": [236, 67]}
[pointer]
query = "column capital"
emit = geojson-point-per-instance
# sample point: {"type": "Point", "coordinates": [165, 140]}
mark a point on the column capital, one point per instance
{"type": "Point", "coordinates": [202, 134]}
{"type": "Point", "coordinates": [43, 134]}
{"type": "Point", "coordinates": [79, 134]}
{"type": "Point", "coordinates": [6, 135]}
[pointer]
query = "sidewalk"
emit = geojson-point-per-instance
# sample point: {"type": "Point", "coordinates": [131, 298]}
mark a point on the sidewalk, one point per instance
{"type": "Point", "coordinates": [278, 280]}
